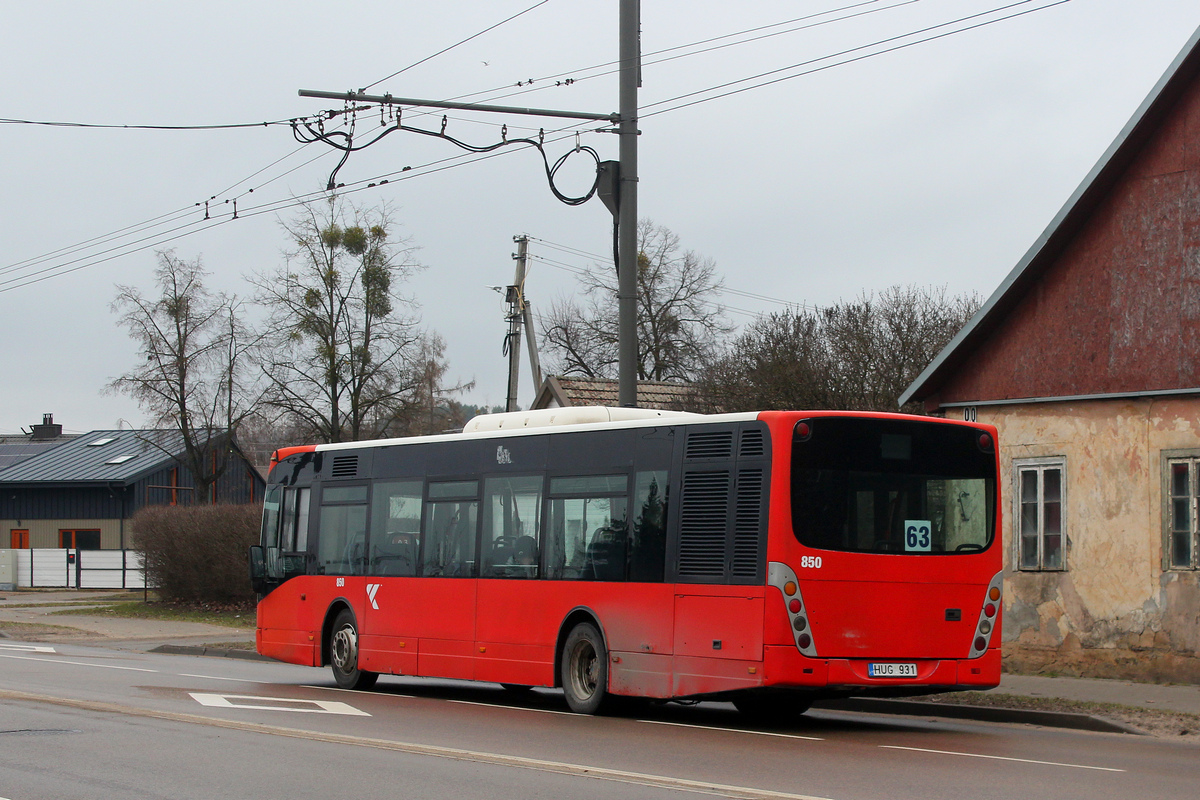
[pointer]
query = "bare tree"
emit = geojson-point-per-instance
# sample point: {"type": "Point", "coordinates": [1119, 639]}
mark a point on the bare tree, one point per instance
{"type": "Point", "coordinates": [195, 362]}
{"type": "Point", "coordinates": [678, 321]}
{"type": "Point", "coordinates": [347, 347]}
{"type": "Point", "coordinates": [858, 355]}
{"type": "Point", "coordinates": [428, 406]}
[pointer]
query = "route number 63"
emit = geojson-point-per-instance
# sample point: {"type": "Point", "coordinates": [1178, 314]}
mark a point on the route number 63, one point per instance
{"type": "Point", "coordinates": [917, 535]}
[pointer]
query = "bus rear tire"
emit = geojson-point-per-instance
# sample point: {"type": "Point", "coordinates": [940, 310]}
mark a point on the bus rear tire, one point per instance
{"type": "Point", "coordinates": [343, 654]}
{"type": "Point", "coordinates": [585, 669]}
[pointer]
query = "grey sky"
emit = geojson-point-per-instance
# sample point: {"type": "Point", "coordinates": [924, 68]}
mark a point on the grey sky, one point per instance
{"type": "Point", "coordinates": [938, 164]}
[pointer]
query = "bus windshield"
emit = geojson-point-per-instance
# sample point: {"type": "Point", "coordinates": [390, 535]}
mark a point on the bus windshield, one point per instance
{"type": "Point", "coordinates": [875, 485]}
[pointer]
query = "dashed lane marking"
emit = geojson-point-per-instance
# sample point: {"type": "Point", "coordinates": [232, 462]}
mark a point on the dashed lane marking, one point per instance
{"type": "Point", "coordinates": [514, 708]}
{"type": "Point", "coordinates": [76, 663]}
{"type": "Point", "coordinates": [27, 648]}
{"type": "Point", "coordinates": [999, 758]}
{"type": "Point", "coordinates": [221, 678]}
{"type": "Point", "coordinates": [732, 730]}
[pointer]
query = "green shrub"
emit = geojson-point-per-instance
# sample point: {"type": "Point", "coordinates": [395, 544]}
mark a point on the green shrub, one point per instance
{"type": "Point", "coordinates": [197, 553]}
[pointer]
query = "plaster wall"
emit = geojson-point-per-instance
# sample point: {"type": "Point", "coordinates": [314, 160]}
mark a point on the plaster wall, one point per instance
{"type": "Point", "coordinates": [1113, 611]}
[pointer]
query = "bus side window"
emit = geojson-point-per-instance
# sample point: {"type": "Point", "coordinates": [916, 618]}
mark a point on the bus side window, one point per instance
{"type": "Point", "coordinates": [342, 537]}
{"type": "Point", "coordinates": [293, 533]}
{"type": "Point", "coordinates": [648, 542]}
{"type": "Point", "coordinates": [511, 526]}
{"type": "Point", "coordinates": [449, 534]}
{"type": "Point", "coordinates": [270, 520]}
{"type": "Point", "coordinates": [587, 536]}
{"type": "Point", "coordinates": [395, 528]}
{"type": "Point", "coordinates": [270, 532]}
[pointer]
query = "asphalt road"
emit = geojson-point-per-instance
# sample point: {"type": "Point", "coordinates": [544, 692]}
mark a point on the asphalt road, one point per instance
{"type": "Point", "coordinates": [88, 722]}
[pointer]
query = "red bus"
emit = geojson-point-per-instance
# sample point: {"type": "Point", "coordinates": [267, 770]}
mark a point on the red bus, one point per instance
{"type": "Point", "coordinates": [769, 559]}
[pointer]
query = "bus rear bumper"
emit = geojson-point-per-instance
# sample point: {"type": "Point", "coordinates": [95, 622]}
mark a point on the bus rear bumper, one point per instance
{"type": "Point", "coordinates": [785, 667]}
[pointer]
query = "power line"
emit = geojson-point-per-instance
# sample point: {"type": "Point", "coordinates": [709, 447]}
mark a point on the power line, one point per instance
{"type": "Point", "coordinates": [675, 48]}
{"type": "Point", "coordinates": [163, 219]}
{"type": "Point", "coordinates": [269, 207]}
{"type": "Point", "coordinates": [847, 61]}
{"type": "Point", "coordinates": [214, 127]}
{"type": "Point", "coordinates": [424, 169]}
{"type": "Point", "coordinates": [724, 290]}
{"type": "Point", "coordinates": [456, 44]}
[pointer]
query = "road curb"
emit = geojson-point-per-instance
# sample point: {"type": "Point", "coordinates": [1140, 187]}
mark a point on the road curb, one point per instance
{"type": "Point", "coordinates": [916, 708]}
{"type": "Point", "coordinates": [217, 652]}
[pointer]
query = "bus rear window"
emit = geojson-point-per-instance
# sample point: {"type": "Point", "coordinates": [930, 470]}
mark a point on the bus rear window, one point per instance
{"type": "Point", "coordinates": [892, 486]}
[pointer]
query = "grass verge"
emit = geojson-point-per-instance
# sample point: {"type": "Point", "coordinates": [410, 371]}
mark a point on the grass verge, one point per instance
{"type": "Point", "coordinates": [33, 631]}
{"type": "Point", "coordinates": [229, 617]}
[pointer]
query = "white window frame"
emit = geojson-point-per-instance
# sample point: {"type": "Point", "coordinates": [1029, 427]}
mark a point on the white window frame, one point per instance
{"type": "Point", "coordinates": [1170, 458]}
{"type": "Point", "coordinates": [1040, 466]}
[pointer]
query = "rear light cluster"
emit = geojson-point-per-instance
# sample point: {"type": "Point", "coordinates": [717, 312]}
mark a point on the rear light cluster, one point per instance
{"type": "Point", "coordinates": [783, 578]}
{"type": "Point", "coordinates": [989, 617]}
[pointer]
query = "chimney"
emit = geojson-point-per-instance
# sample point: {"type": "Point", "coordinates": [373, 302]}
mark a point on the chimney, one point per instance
{"type": "Point", "coordinates": [47, 430]}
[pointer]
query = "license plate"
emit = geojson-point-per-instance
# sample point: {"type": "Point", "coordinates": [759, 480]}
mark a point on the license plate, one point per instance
{"type": "Point", "coordinates": [892, 670]}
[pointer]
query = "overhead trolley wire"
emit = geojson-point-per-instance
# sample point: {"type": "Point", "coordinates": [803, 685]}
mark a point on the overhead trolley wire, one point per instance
{"type": "Point", "coordinates": [462, 159]}
{"type": "Point", "coordinates": [456, 44]}
{"type": "Point", "coordinates": [862, 57]}
{"type": "Point", "coordinates": [269, 207]}
{"type": "Point", "coordinates": [162, 219]}
{"type": "Point", "coordinates": [214, 127]}
{"type": "Point", "coordinates": [492, 96]}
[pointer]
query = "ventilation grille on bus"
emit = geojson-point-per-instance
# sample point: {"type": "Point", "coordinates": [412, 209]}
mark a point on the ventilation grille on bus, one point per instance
{"type": "Point", "coordinates": [753, 444]}
{"type": "Point", "coordinates": [747, 523]}
{"type": "Point", "coordinates": [709, 444]}
{"type": "Point", "coordinates": [344, 467]}
{"type": "Point", "coordinates": [702, 524]}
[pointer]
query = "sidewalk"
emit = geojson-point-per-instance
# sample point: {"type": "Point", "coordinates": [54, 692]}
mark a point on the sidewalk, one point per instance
{"type": "Point", "coordinates": [123, 633]}
{"type": "Point", "coordinates": [196, 638]}
{"type": "Point", "coordinates": [1184, 698]}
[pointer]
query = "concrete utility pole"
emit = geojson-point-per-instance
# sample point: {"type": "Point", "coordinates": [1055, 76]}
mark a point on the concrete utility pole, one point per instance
{"type": "Point", "coordinates": [513, 339]}
{"type": "Point", "coordinates": [627, 346]}
{"type": "Point", "coordinates": [520, 314]}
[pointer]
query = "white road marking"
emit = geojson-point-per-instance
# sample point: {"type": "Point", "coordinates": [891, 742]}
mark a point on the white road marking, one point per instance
{"type": "Point", "coordinates": [220, 678]}
{"type": "Point", "coordinates": [314, 706]}
{"type": "Point", "coordinates": [435, 751]}
{"type": "Point", "coordinates": [732, 730]}
{"type": "Point", "coordinates": [1000, 758]}
{"type": "Point", "coordinates": [357, 691]}
{"type": "Point", "coordinates": [513, 708]}
{"type": "Point", "coordinates": [76, 663]}
{"type": "Point", "coordinates": [27, 648]}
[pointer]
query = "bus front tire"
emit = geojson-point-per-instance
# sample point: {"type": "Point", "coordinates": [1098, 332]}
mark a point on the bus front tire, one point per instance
{"type": "Point", "coordinates": [585, 669]}
{"type": "Point", "coordinates": [343, 654]}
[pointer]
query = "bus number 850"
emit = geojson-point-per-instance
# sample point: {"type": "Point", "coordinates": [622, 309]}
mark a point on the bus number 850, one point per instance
{"type": "Point", "coordinates": [807, 562]}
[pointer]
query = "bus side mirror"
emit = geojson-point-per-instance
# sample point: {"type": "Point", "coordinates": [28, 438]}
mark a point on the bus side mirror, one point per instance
{"type": "Point", "coordinates": [258, 569]}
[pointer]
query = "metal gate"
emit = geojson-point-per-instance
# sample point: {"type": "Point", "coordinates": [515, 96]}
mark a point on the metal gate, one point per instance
{"type": "Point", "coordinates": [79, 569]}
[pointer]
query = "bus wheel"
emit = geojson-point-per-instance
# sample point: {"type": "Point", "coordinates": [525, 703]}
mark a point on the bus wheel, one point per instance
{"type": "Point", "coordinates": [343, 654]}
{"type": "Point", "coordinates": [771, 707]}
{"type": "Point", "coordinates": [584, 669]}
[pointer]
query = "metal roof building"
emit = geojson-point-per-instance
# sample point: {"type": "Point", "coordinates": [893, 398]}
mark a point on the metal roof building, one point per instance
{"type": "Point", "coordinates": [80, 492]}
